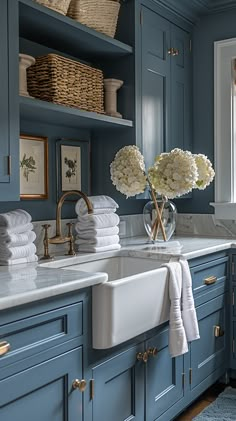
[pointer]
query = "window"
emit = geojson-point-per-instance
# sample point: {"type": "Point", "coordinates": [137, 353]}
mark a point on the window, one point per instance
{"type": "Point", "coordinates": [225, 129]}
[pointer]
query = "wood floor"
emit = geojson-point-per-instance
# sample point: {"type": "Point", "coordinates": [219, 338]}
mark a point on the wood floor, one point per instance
{"type": "Point", "coordinates": [209, 396]}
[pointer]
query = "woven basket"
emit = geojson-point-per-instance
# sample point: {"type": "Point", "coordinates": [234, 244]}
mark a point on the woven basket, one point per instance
{"type": "Point", "coordinates": [101, 15]}
{"type": "Point", "coordinates": [60, 6]}
{"type": "Point", "coordinates": [63, 81]}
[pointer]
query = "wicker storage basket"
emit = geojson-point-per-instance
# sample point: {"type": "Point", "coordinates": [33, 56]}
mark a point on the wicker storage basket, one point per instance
{"type": "Point", "coordinates": [101, 15]}
{"type": "Point", "coordinates": [63, 81]}
{"type": "Point", "coordinates": [60, 6]}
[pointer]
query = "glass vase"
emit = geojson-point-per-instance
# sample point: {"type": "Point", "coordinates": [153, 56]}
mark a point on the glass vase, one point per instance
{"type": "Point", "coordinates": [160, 223]}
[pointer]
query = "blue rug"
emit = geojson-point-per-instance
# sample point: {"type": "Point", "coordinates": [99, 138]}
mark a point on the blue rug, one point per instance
{"type": "Point", "coordinates": [222, 409]}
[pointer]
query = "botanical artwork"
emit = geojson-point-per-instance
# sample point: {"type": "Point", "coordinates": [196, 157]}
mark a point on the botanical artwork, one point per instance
{"type": "Point", "coordinates": [33, 167]}
{"type": "Point", "coordinates": [70, 167]}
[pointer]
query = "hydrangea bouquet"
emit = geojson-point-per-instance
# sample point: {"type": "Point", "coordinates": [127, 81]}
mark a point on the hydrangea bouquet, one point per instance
{"type": "Point", "coordinates": [172, 175]}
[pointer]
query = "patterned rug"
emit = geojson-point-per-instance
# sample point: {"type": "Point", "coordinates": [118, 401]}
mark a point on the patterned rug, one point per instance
{"type": "Point", "coordinates": [222, 409]}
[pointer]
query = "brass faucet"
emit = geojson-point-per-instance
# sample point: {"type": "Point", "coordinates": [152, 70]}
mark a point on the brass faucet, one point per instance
{"type": "Point", "coordinates": [58, 238]}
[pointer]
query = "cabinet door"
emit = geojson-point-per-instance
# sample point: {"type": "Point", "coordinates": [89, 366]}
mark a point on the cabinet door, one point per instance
{"type": "Point", "coordinates": [44, 392]}
{"type": "Point", "coordinates": [181, 98]}
{"type": "Point", "coordinates": [9, 121]}
{"type": "Point", "coordinates": [209, 353]}
{"type": "Point", "coordinates": [164, 378]}
{"type": "Point", "coordinates": [155, 35]}
{"type": "Point", "coordinates": [118, 388]}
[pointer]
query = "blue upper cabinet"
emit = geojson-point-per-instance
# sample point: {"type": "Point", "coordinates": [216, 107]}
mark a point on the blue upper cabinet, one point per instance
{"type": "Point", "coordinates": [181, 90]}
{"type": "Point", "coordinates": [164, 75]}
{"type": "Point", "coordinates": [9, 127]}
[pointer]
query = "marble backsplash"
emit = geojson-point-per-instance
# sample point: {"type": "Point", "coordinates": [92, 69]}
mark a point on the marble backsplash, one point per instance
{"type": "Point", "coordinates": [205, 225]}
{"type": "Point", "coordinates": [132, 226]}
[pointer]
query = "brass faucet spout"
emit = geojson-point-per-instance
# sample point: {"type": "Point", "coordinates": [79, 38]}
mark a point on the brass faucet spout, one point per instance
{"type": "Point", "coordinates": [60, 203]}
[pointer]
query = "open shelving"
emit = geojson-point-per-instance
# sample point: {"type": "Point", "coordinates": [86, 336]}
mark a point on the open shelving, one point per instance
{"type": "Point", "coordinates": [49, 113]}
{"type": "Point", "coordinates": [47, 27]}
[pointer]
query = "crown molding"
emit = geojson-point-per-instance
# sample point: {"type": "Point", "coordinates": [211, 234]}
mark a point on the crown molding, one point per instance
{"type": "Point", "coordinates": [193, 9]}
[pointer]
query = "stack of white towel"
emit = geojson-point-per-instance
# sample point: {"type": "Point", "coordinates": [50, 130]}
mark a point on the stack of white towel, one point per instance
{"type": "Point", "coordinates": [16, 238]}
{"type": "Point", "coordinates": [98, 231]}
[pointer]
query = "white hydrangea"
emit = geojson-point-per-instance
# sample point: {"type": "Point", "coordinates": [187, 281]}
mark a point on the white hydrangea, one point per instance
{"type": "Point", "coordinates": [128, 171]}
{"type": "Point", "coordinates": [174, 173]}
{"type": "Point", "coordinates": [205, 171]}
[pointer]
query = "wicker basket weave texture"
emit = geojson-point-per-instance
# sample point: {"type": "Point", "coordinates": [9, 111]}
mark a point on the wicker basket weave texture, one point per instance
{"type": "Point", "coordinates": [101, 15]}
{"type": "Point", "coordinates": [60, 80]}
{"type": "Point", "coordinates": [60, 6]}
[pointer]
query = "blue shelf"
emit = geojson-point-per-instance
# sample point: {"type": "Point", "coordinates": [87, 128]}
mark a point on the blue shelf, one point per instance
{"type": "Point", "coordinates": [48, 113]}
{"type": "Point", "coordinates": [44, 26]}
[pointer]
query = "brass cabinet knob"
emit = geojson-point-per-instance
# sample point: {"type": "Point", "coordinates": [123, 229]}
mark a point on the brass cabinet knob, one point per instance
{"type": "Point", "coordinates": [79, 385]}
{"type": "Point", "coordinates": [4, 348]}
{"type": "Point", "coordinates": [173, 52]}
{"type": "Point", "coordinates": [142, 356]}
{"type": "Point", "coordinates": [152, 352]}
{"type": "Point", "coordinates": [218, 332]}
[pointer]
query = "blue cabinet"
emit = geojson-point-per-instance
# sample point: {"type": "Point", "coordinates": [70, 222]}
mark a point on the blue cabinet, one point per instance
{"type": "Point", "coordinates": [9, 127]}
{"type": "Point", "coordinates": [118, 388]}
{"type": "Point", "coordinates": [164, 378]}
{"type": "Point", "coordinates": [165, 80]}
{"type": "Point", "coordinates": [44, 392]}
{"type": "Point", "coordinates": [209, 354]}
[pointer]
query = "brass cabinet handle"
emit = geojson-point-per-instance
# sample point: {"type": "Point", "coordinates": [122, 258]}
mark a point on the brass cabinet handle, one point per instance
{"type": "Point", "coordinates": [4, 348]}
{"type": "Point", "coordinates": [173, 52]}
{"type": "Point", "coordinates": [152, 352]}
{"type": "Point", "coordinates": [79, 385]}
{"type": "Point", "coordinates": [210, 280]}
{"type": "Point", "coordinates": [218, 332]}
{"type": "Point", "coordinates": [142, 356]}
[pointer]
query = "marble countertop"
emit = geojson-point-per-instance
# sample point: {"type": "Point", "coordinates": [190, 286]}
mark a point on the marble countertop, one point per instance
{"type": "Point", "coordinates": [26, 283]}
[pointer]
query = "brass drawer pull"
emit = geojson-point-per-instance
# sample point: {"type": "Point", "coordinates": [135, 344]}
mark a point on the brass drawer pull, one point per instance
{"type": "Point", "coordinates": [218, 332]}
{"type": "Point", "coordinates": [210, 280]}
{"type": "Point", "coordinates": [79, 385]}
{"type": "Point", "coordinates": [142, 356]}
{"type": "Point", "coordinates": [4, 348]}
{"type": "Point", "coordinates": [152, 352]}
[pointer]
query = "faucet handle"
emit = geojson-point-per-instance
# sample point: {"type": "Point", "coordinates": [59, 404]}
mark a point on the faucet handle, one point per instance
{"type": "Point", "coordinates": [46, 255]}
{"type": "Point", "coordinates": [71, 251]}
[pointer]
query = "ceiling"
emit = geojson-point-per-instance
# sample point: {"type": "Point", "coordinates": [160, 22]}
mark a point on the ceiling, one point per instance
{"type": "Point", "coordinates": [192, 9]}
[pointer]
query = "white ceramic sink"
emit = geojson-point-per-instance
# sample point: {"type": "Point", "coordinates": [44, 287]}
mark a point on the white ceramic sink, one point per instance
{"type": "Point", "coordinates": [133, 300]}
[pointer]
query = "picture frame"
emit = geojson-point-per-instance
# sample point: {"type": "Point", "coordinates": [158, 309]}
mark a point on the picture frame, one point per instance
{"type": "Point", "coordinates": [33, 167]}
{"type": "Point", "coordinates": [73, 166]}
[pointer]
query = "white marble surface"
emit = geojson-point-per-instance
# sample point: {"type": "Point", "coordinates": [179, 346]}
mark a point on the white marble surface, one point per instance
{"type": "Point", "coordinates": [27, 283]}
{"type": "Point", "coordinates": [22, 284]}
{"type": "Point", "coordinates": [205, 225]}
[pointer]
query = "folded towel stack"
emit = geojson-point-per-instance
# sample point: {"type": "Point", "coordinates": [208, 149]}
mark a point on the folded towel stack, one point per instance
{"type": "Point", "coordinates": [17, 238]}
{"type": "Point", "coordinates": [97, 231]}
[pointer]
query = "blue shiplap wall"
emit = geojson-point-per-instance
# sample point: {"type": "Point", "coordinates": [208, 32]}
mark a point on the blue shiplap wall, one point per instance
{"type": "Point", "coordinates": [209, 29]}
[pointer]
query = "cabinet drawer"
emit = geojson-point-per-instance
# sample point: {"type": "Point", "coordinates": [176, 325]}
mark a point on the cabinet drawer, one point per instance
{"type": "Point", "coordinates": [35, 334]}
{"type": "Point", "coordinates": [209, 275]}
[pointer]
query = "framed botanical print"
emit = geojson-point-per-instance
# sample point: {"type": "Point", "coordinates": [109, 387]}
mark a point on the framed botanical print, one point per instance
{"type": "Point", "coordinates": [33, 167]}
{"type": "Point", "coordinates": [73, 165]}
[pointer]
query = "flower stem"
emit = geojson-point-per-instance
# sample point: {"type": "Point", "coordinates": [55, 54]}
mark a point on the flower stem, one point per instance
{"type": "Point", "coordinates": [159, 215]}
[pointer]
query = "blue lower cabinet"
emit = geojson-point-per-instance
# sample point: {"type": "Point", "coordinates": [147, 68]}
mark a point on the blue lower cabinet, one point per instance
{"type": "Point", "coordinates": [44, 392]}
{"type": "Point", "coordinates": [118, 388]}
{"type": "Point", "coordinates": [164, 378]}
{"type": "Point", "coordinates": [208, 355]}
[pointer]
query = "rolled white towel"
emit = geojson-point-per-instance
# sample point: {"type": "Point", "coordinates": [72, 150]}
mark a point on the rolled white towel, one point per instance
{"type": "Point", "coordinates": [100, 241]}
{"type": "Point", "coordinates": [89, 248]}
{"type": "Point", "coordinates": [14, 240]}
{"type": "Point", "coordinates": [17, 252]}
{"type": "Point", "coordinates": [9, 262]}
{"type": "Point", "coordinates": [7, 232]}
{"type": "Point", "coordinates": [101, 204]}
{"type": "Point", "coordinates": [14, 218]}
{"type": "Point", "coordinates": [97, 232]}
{"type": "Point", "coordinates": [91, 221]}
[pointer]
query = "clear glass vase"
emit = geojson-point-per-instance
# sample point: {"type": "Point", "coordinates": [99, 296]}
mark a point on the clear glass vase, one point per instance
{"type": "Point", "coordinates": [160, 231]}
